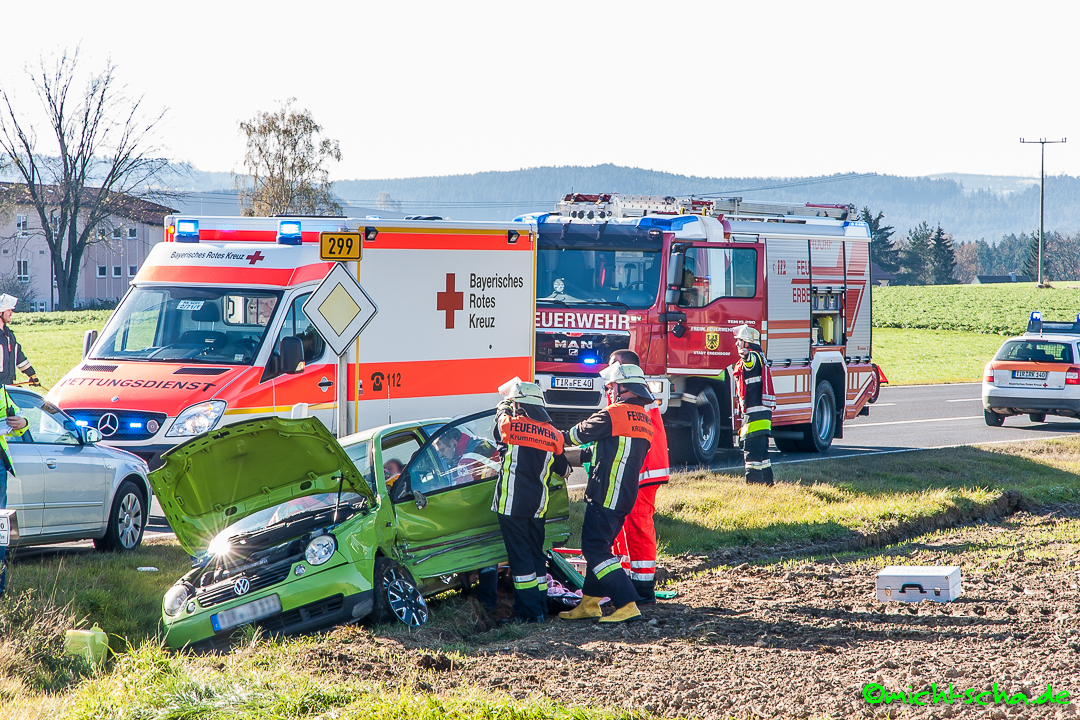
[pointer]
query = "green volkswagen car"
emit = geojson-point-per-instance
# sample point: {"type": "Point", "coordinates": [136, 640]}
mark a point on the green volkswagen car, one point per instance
{"type": "Point", "coordinates": [292, 530]}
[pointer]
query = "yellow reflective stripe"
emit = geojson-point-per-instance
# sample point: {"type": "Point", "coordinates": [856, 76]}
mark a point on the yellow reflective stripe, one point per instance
{"type": "Point", "coordinates": [574, 436]}
{"type": "Point", "coordinates": [606, 567]}
{"type": "Point", "coordinates": [758, 425]}
{"type": "Point", "coordinates": [615, 478]}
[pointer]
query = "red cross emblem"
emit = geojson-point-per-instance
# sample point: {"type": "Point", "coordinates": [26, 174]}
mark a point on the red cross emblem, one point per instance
{"type": "Point", "coordinates": [255, 257]}
{"type": "Point", "coordinates": [450, 301]}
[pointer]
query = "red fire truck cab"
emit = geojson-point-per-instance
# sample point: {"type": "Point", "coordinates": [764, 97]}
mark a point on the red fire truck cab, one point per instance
{"type": "Point", "coordinates": [671, 279]}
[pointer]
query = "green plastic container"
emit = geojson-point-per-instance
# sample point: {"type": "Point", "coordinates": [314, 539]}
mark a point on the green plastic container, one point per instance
{"type": "Point", "coordinates": [92, 644]}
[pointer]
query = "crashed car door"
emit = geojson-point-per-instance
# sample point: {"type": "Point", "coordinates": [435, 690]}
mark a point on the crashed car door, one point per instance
{"type": "Point", "coordinates": [443, 503]}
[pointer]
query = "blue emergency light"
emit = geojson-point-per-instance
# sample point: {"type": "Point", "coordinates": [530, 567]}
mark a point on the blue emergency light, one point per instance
{"type": "Point", "coordinates": [187, 231]}
{"type": "Point", "coordinates": [1036, 316]}
{"type": "Point", "coordinates": [289, 233]}
{"type": "Point", "coordinates": [134, 425]}
{"type": "Point", "coordinates": [82, 423]}
{"type": "Point", "coordinates": [589, 360]}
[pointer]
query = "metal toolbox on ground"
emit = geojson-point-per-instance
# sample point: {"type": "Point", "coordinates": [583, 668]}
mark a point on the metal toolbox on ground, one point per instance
{"type": "Point", "coordinates": [912, 583]}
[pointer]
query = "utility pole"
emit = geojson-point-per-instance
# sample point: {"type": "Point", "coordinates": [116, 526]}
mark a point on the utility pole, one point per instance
{"type": "Point", "coordinates": [1042, 195]}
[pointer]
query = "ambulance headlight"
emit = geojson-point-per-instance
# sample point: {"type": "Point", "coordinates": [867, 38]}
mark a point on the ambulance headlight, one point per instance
{"type": "Point", "coordinates": [197, 419]}
{"type": "Point", "coordinates": [320, 549]}
{"type": "Point", "coordinates": [175, 599]}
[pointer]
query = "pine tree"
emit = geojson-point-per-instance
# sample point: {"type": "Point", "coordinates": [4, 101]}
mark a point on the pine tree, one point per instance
{"type": "Point", "coordinates": [942, 270]}
{"type": "Point", "coordinates": [1031, 262]}
{"type": "Point", "coordinates": [915, 256]}
{"type": "Point", "coordinates": [882, 250]}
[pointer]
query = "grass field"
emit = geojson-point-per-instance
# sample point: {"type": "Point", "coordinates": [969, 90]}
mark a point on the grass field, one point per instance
{"type": "Point", "coordinates": [910, 357]}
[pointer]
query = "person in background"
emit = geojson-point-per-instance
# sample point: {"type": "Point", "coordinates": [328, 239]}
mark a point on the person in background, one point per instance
{"type": "Point", "coordinates": [532, 453]}
{"type": "Point", "coordinates": [11, 353]}
{"type": "Point", "coordinates": [637, 541]}
{"type": "Point", "coordinates": [14, 425]}
{"type": "Point", "coordinates": [622, 432]}
{"type": "Point", "coordinates": [754, 391]}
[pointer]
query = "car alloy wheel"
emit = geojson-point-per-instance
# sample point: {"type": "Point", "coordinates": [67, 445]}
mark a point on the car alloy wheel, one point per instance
{"type": "Point", "coordinates": [404, 598]}
{"type": "Point", "coordinates": [130, 520]}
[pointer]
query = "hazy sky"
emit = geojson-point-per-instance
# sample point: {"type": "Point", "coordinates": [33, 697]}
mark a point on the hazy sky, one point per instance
{"type": "Point", "coordinates": [719, 89]}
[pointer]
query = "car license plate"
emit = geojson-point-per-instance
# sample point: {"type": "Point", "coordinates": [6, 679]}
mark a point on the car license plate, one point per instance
{"type": "Point", "coordinates": [572, 383]}
{"type": "Point", "coordinates": [248, 612]}
{"type": "Point", "coordinates": [1029, 374]}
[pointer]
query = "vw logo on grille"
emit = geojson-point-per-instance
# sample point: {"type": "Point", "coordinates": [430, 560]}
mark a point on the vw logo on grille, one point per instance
{"type": "Point", "coordinates": [108, 424]}
{"type": "Point", "coordinates": [241, 586]}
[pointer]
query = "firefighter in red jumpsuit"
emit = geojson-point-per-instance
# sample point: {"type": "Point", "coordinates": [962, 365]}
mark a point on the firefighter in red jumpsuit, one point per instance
{"type": "Point", "coordinates": [637, 541]}
{"type": "Point", "coordinates": [754, 390]}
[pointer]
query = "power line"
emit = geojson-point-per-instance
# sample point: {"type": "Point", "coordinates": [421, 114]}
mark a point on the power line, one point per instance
{"type": "Point", "coordinates": [1042, 196]}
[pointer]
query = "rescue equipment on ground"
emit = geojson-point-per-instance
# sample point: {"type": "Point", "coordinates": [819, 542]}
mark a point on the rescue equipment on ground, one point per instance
{"type": "Point", "coordinates": [914, 583]}
{"type": "Point", "coordinates": [92, 644]}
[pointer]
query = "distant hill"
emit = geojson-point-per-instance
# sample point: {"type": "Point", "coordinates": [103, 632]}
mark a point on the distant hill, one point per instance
{"type": "Point", "coordinates": [968, 206]}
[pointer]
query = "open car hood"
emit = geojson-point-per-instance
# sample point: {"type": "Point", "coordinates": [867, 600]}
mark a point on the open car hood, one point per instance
{"type": "Point", "coordinates": [217, 479]}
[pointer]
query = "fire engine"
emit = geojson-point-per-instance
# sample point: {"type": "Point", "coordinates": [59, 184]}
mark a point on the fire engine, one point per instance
{"type": "Point", "coordinates": [213, 331]}
{"type": "Point", "coordinates": [670, 278]}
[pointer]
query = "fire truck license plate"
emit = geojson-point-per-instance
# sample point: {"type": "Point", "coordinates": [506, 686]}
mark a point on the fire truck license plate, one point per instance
{"type": "Point", "coordinates": [248, 612]}
{"type": "Point", "coordinates": [340, 246]}
{"type": "Point", "coordinates": [1029, 374]}
{"type": "Point", "coordinates": [572, 383]}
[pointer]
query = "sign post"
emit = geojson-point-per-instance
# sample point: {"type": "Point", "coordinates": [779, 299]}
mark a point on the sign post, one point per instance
{"type": "Point", "coordinates": [340, 310]}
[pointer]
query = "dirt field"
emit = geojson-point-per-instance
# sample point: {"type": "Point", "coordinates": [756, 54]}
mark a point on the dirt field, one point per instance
{"type": "Point", "coordinates": [789, 637]}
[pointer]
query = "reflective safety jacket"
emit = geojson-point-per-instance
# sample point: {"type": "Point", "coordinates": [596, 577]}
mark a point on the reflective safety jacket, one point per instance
{"type": "Point", "coordinates": [623, 434]}
{"type": "Point", "coordinates": [754, 388]}
{"type": "Point", "coordinates": [656, 469]}
{"type": "Point", "coordinates": [532, 454]}
{"type": "Point", "coordinates": [11, 357]}
{"type": "Point", "coordinates": [5, 403]}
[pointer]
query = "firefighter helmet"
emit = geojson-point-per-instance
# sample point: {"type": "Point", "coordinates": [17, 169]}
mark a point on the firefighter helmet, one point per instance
{"type": "Point", "coordinates": [748, 334]}
{"type": "Point", "coordinates": [530, 399]}
{"type": "Point", "coordinates": [8, 302]}
{"type": "Point", "coordinates": [629, 377]}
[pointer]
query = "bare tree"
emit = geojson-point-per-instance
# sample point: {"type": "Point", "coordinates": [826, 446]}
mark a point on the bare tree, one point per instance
{"type": "Point", "coordinates": [286, 165]}
{"type": "Point", "coordinates": [99, 158]}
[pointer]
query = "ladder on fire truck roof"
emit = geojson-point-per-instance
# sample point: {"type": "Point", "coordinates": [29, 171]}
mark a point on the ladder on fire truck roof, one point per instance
{"type": "Point", "coordinates": [615, 206]}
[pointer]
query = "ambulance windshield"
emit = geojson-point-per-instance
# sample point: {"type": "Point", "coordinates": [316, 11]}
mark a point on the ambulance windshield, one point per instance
{"type": "Point", "coordinates": [188, 324]}
{"type": "Point", "coordinates": [597, 264]}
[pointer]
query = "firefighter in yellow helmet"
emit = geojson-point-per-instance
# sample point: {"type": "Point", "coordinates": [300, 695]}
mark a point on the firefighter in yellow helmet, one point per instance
{"type": "Point", "coordinates": [754, 391]}
{"type": "Point", "coordinates": [623, 434]}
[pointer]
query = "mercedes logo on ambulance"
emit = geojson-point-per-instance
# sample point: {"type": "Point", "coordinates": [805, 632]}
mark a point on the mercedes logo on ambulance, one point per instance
{"type": "Point", "coordinates": [108, 424]}
{"type": "Point", "coordinates": [241, 586]}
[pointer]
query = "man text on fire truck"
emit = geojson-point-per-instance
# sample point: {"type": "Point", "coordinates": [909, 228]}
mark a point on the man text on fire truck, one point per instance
{"type": "Point", "coordinates": [11, 353]}
{"type": "Point", "coordinates": [754, 390]}
{"type": "Point", "coordinates": [532, 452]}
{"type": "Point", "coordinates": [622, 433]}
{"type": "Point", "coordinates": [637, 541]}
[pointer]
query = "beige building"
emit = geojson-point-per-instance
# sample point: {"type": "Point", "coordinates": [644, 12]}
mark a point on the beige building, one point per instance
{"type": "Point", "coordinates": [108, 265]}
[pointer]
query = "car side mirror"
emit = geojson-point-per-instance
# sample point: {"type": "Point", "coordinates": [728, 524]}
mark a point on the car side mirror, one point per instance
{"type": "Point", "coordinates": [89, 338]}
{"type": "Point", "coordinates": [91, 436]}
{"type": "Point", "coordinates": [421, 501]}
{"type": "Point", "coordinates": [292, 355]}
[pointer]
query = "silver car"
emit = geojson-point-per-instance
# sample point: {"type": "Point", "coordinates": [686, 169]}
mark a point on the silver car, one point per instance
{"type": "Point", "coordinates": [67, 487]}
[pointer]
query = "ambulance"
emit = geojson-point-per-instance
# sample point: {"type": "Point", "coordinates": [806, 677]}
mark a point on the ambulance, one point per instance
{"type": "Point", "coordinates": [213, 329]}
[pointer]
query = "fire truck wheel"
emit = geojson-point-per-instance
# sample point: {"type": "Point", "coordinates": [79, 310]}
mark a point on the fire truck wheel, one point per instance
{"type": "Point", "coordinates": [818, 435]}
{"type": "Point", "coordinates": [697, 444]}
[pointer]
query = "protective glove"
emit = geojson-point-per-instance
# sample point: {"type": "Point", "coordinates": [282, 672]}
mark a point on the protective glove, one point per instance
{"type": "Point", "coordinates": [34, 382]}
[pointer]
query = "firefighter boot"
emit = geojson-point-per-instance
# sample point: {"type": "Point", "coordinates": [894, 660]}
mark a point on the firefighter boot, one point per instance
{"type": "Point", "coordinates": [587, 609]}
{"type": "Point", "coordinates": [646, 590]}
{"type": "Point", "coordinates": [626, 613]}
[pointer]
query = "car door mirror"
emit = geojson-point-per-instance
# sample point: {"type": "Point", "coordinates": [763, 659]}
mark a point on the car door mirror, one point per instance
{"type": "Point", "coordinates": [91, 436]}
{"type": "Point", "coordinates": [292, 355]}
{"type": "Point", "coordinates": [421, 500]}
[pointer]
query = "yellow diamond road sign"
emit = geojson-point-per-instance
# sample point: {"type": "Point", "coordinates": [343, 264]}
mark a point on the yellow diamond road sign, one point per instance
{"type": "Point", "coordinates": [339, 309]}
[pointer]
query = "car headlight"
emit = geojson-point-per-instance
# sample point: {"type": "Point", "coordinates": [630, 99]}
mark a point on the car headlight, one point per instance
{"type": "Point", "coordinates": [197, 419]}
{"type": "Point", "coordinates": [175, 599]}
{"type": "Point", "coordinates": [320, 549]}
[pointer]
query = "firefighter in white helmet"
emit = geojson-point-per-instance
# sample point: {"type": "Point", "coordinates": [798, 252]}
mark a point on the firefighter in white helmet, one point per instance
{"type": "Point", "coordinates": [754, 391]}
{"type": "Point", "coordinates": [623, 434]}
{"type": "Point", "coordinates": [11, 353]}
{"type": "Point", "coordinates": [532, 454]}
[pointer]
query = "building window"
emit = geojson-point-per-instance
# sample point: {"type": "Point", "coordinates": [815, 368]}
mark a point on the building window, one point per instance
{"type": "Point", "coordinates": [22, 268]}
{"type": "Point", "coordinates": [116, 271]}
{"type": "Point", "coordinates": [117, 233]}
{"type": "Point", "coordinates": [133, 233]}
{"type": "Point", "coordinates": [133, 270]}
{"type": "Point", "coordinates": [22, 225]}
{"type": "Point", "coordinates": [101, 271]}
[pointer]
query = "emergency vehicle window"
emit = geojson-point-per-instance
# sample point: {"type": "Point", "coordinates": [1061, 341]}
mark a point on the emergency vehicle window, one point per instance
{"type": "Point", "coordinates": [460, 454]}
{"type": "Point", "coordinates": [1035, 351]}
{"type": "Point", "coordinates": [714, 273]}
{"type": "Point", "coordinates": [298, 325]}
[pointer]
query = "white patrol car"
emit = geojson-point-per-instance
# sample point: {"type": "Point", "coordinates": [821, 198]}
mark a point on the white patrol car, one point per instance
{"type": "Point", "coordinates": [1036, 374]}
